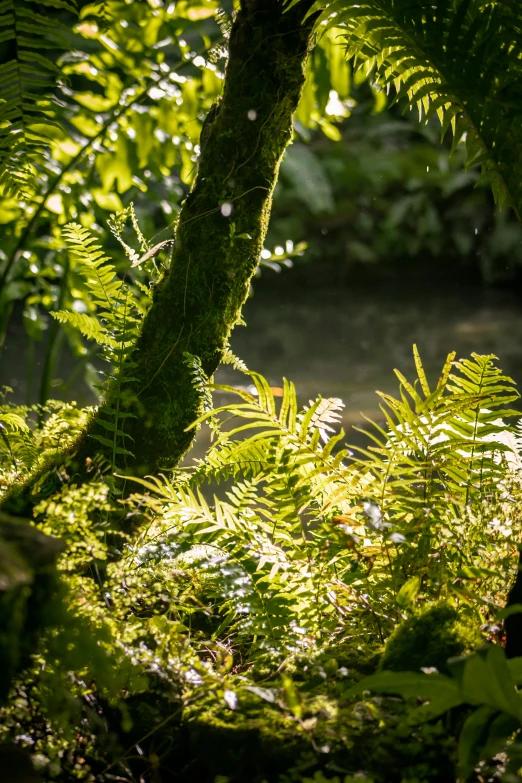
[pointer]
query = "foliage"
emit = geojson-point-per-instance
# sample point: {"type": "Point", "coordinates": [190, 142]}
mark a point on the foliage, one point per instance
{"type": "Point", "coordinates": [460, 60]}
{"type": "Point", "coordinates": [393, 203]}
{"type": "Point", "coordinates": [220, 621]}
{"type": "Point", "coordinates": [379, 519]}
{"type": "Point", "coordinates": [485, 680]}
{"type": "Point", "coordinates": [428, 639]}
{"type": "Point", "coordinates": [23, 446]}
{"type": "Point", "coordinates": [124, 106]}
{"type": "Point", "coordinates": [120, 138]}
{"type": "Point", "coordinates": [128, 99]}
{"type": "Point", "coordinates": [241, 619]}
{"type": "Point", "coordinates": [28, 110]}
{"type": "Point", "coordinates": [119, 311]}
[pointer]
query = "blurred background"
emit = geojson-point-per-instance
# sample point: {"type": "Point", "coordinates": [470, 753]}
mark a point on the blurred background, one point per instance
{"type": "Point", "coordinates": [379, 237]}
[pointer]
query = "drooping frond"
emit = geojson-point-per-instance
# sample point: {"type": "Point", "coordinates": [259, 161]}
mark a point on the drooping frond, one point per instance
{"type": "Point", "coordinates": [31, 35]}
{"type": "Point", "coordinates": [96, 267]}
{"type": "Point", "coordinates": [459, 59]}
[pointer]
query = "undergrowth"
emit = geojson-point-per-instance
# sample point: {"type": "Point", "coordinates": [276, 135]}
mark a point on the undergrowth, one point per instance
{"type": "Point", "coordinates": [253, 590]}
{"type": "Point", "coordinates": [231, 620]}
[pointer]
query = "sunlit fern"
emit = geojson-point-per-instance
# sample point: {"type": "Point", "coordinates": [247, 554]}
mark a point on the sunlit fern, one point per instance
{"type": "Point", "coordinates": [23, 444]}
{"type": "Point", "coordinates": [32, 34]}
{"type": "Point", "coordinates": [114, 326]}
{"type": "Point", "coordinates": [459, 59]}
{"type": "Point", "coordinates": [312, 526]}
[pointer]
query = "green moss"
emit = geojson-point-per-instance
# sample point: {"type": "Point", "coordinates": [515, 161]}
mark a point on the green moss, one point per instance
{"type": "Point", "coordinates": [259, 742]}
{"type": "Point", "coordinates": [429, 639]}
{"type": "Point", "coordinates": [199, 301]}
{"type": "Point", "coordinates": [374, 736]}
{"type": "Point", "coordinates": [254, 742]}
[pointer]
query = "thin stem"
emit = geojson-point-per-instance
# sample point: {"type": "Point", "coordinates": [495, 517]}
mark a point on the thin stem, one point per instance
{"type": "Point", "coordinates": [54, 345]}
{"type": "Point", "coordinates": [116, 114]}
{"type": "Point", "coordinates": [474, 439]}
{"type": "Point", "coordinates": [30, 372]}
{"type": "Point", "coordinates": [121, 360]}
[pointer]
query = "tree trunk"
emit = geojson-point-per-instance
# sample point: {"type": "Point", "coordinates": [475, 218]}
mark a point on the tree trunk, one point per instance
{"type": "Point", "coordinates": [218, 240]}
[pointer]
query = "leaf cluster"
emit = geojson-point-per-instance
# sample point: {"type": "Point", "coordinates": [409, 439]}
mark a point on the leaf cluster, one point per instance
{"type": "Point", "coordinates": [458, 59]}
{"type": "Point", "coordinates": [310, 528]}
{"type": "Point", "coordinates": [279, 562]}
{"type": "Point", "coordinates": [119, 308]}
{"type": "Point", "coordinates": [31, 35]}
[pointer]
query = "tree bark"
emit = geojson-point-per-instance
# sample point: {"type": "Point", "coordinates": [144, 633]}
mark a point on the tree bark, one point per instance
{"type": "Point", "coordinates": [218, 240]}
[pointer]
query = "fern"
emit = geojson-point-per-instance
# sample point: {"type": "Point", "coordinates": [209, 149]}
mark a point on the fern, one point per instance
{"type": "Point", "coordinates": [10, 421]}
{"type": "Point", "coordinates": [88, 325]}
{"type": "Point", "coordinates": [230, 358]}
{"type": "Point", "coordinates": [27, 82]}
{"type": "Point", "coordinates": [263, 526]}
{"type": "Point", "coordinates": [115, 327]}
{"type": "Point", "coordinates": [310, 555]}
{"type": "Point", "coordinates": [200, 380]}
{"type": "Point", "coordinates": [459, 59]}
{"type": "Point", "coordinates": [23, 446]}
{"type": "Point", "coordinates": [309, 524]}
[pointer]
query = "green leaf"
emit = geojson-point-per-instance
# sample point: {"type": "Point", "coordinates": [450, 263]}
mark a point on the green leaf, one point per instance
{"type": "Point", "coordinates": [292, 696]}
{"type": "Point", "coordinates": [472, 739]}
{"type": "Point", "coordinates": [410, 685]}
{"type": "Point", "coordinates": [463, 64]}
{"type": "Point", "coordinates": [408, 593]}
{"type": "Point", "coordinates": [486, 680]}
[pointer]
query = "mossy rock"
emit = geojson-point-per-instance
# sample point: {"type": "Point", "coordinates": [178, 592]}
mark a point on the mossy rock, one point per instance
{"type": "Point", "coordinates": [28, 593]}
{"type": "Point", "coordinates": [428, 639]}
{"type": "Point", "coordinates": [255, 742]}
{"type": "Point", "coordinates": [259, 744]}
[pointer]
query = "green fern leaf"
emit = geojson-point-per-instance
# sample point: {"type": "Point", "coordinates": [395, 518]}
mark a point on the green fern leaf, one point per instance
{"type": "Point", "coordinates": [230, 358]}
{"type": "Point", "coordinates": [88, 325]}
{"type": "Point", "coordinates": [460, 59]}
{"type": "Point", "coordinates": [27, 85]}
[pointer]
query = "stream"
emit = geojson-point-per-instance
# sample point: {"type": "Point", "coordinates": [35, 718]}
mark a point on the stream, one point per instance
{"type": "Point", "coordinates": [341, 341]}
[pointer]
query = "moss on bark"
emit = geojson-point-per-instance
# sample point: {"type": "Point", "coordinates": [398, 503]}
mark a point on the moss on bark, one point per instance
{"type": "Point", "coordinates": [430, 639]}
{"type": "Point", "coordinates": [219, 237]}
{"type": "Point", "coordinates": [222, 226]}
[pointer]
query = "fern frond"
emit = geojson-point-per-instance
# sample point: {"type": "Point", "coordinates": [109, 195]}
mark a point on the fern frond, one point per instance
{"type": "Point", "coordinates": [115, 327]}
{"type": "Point", "coordinates": [12, 421]}
{"type": "Point", "coordinates": [27, 84]}
{"type": "Point", "coordinates": [322, 414]}
{"type": "Point", "coordinates": [88, 325]}
{"type": "Point", "coordinates": [458, 59]}
{"type": "Point", "coordinates": [450, 442]}
{"type": "Point", "coordinates": [200, 380]}
{"type": "Point", "coordinates": [99, 273]}
{"type": "Point", "coordinates": [230, 358]}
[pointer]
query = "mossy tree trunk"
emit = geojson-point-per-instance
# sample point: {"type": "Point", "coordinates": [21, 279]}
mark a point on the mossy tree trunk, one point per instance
{"type": "Point", "coordinates": [219, 237]}
{"type": "Point", "coordinates": [222, 226]}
